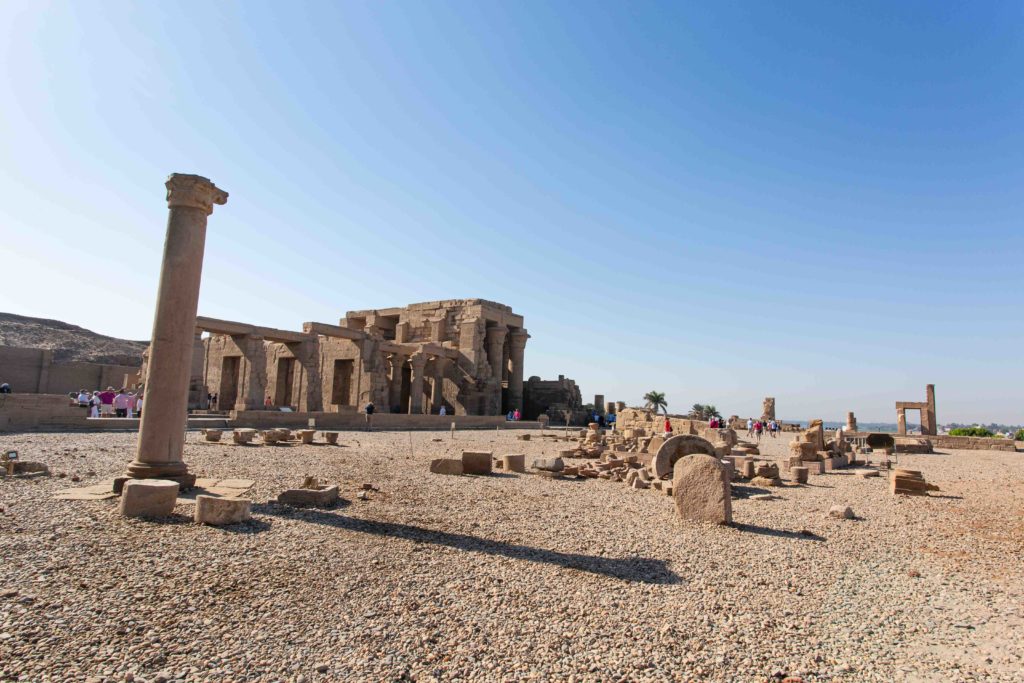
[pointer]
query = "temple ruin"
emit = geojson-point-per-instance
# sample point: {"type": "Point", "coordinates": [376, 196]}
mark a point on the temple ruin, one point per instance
{"type": "Point", "coordinates": [929, 426]}
{"type": "Point", "coordinates": [465, 355]}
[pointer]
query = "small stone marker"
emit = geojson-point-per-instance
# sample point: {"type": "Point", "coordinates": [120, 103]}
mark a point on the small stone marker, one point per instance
{"type": "Point", "coordinates": [701, 489]}
{"type": "Point", "coordinates": [306, 435]}
{"type": "Point", "coordinates": [476, 462]}
{"type": "Point", "coordinates": [212, 435]}
{"type": "Point", "coordinates": [514, 463]}
{"type": "Point", "coordinates": [799, 474]}
{"type": "Point", "coordinates": [841, 512]}
{"type": "Point", "coordinates": [148, 497]}
{"type": "Point", "coordinates": [332, 437]}
{"type": "Point", "coordinates": [446, 466]}
{"type": "Point", "coordinates": [222, 511]}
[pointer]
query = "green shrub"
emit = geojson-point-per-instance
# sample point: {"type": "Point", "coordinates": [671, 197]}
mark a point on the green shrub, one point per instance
{"type": "Point", "coordinates": [1019, 436]}
{"type": "Point", "coordinates": [969, 431]}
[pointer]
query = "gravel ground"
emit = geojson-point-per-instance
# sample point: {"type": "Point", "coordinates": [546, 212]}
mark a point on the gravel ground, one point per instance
{"type": "Point", "coordinates": [507, 577]}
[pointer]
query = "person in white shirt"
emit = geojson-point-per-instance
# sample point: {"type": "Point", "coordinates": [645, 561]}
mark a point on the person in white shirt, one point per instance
{"type": "Point", "coordinates": [94, 404]}
{"type": "Point", "coordinates": [442, 411]}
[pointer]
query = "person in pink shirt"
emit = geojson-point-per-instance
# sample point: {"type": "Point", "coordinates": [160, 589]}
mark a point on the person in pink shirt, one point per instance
{"type": "Point", "coordinates": [107, 401]}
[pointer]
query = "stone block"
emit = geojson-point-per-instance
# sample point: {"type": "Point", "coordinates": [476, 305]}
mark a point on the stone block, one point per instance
{"type": "Point", "coordinates": [477, 462]}
{"type": "Point", "coordinates": [523, 437]}
{"type": "Point", "coordinates": [332, 437]}
{"type": "Point", "coordinates": [222, 511]}
{"type": "Point", "coordinates": [815, 466]}
{"type": "Point", "coordinates": [212, 435]}
{"type": "Point", "coordinates": [549, 464]}
{"type": "Point", "coordinates": [828, 464]}
{"type": "Point", "coordinates": [748, 468]}
{"type": "Point", "coordinates": [148, 497]}
{"type": "Point", "coordinates": [323, 496]}
{"type": "Point", "coordinates": [446, 466]}
{"type": "Point", "coordinates": [798, 474]}
{"type": "Point", "coordinates": [513, 463]}
{"type": "Point", "coordinates": [701, 491]}
{"type": "Point", "coordinates": [306, 435]}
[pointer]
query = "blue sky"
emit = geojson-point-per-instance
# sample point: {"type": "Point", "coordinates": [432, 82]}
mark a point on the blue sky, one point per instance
{"type": "Point", "coordinates": [722, 201]}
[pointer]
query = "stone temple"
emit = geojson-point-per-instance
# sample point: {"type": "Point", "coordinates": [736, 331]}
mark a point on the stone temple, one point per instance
{"type": "Point", "coordinates": [465, 355]}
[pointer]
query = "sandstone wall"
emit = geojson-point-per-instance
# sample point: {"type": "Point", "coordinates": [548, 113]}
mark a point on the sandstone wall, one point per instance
{"type": "Point", "coordinates": [30, 371]}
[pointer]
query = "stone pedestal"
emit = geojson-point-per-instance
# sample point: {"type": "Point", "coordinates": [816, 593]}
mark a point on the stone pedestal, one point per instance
{"type": "Point", "coordinates": [190, 199]}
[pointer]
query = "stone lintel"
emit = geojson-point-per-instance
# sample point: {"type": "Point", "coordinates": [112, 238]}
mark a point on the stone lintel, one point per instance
{"type": "Point", "coordinates": [328, 330]}
{"type": "Point", "coordinates": [911, 405]}
{"type": "Point", "coordinates": [236, 329]}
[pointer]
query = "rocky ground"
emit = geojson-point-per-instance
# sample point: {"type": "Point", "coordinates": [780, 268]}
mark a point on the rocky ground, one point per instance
{"type": "Point", "coordinates": [507, 577]}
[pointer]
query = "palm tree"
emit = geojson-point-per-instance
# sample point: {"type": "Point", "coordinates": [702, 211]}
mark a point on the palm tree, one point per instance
{"type": "Point", "coordinates": [704, 412]}
{"type": "Point", "coordinates": [656, 401]}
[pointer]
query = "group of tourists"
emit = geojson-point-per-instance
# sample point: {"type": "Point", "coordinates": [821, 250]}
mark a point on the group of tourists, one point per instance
{"type": "Point", "coordinates": [755, 428]}
{"type": "Point", "coordinates": [109, 403]}
{"type": "Point", "coordinates": [514, 416]}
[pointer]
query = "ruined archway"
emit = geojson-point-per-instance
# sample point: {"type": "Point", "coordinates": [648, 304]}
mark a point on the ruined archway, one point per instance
{"type": "Point", "coordinates": [676, 447]}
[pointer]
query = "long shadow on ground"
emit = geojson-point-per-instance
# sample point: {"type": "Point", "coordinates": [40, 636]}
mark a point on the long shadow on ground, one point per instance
{"type": "Point", "coordinates": [640, 569]}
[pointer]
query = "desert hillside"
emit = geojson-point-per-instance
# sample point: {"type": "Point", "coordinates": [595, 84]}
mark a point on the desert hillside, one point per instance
{"type": "Point", "coordinates": [68, 342]}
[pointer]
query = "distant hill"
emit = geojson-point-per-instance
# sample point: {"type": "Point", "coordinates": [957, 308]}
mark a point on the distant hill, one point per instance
{"type": "Point", "coordinates": [68, 342]}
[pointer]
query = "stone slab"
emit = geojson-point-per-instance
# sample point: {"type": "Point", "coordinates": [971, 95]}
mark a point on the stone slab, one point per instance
{"type": "Point", "coordinates": [148, 498]}
{"type": "Point", "coordinates": [222, 511]}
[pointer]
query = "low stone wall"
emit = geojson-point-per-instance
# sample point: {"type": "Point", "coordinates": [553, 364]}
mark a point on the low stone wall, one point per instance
{"type": "Point", "coordinates": [971, 443]}
{"type": "Point", "coordinates": [265, 419]}
{"type": "Point", "coordinates": [39, 412]}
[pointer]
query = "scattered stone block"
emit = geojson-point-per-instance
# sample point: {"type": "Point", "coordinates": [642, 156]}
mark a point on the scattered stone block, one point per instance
{"type": "Point", "coordinates": [701, 489]}
{"type": "Point", "coordinates": [148, 497]}
{"type": "Point", "coordinates": [477, 462]}
{"type": "Point", "coordinates": [841, 512]}
{"type": "Point", "coordinates": [549, 464]}
{"type": "Point", "coordinates": [323, 496]}
{"type": "Point", "coordinates": [523, 437]}
{"type": "Point", "coordinates": [332, 437]}
{"type": "Point", "coordinates": [222, 511]}
{"type": "Point", "coordinates": [909, 483]}
{"type": "Point", "coordinates": [212, 435]}
{"type": "Point", "coordinates": [639, 483]}
{"type": "Point", "coordinates": [243, 436]}
{"type": "Point", "coordinates": [799, 474]}
{"type": "Point", "coordinates": [815, 466]}
{"type": "Point", "coordinates": [306, 435]}
{"type": "Point", "coordinates": [571, 471]}
{"type": "Point", "coordinates": [828, 464]}
{"type": "Point", "coordinates": [867, 474]}
{"type": "Point", "coordinates": [446, 466]}
{"type": "Point", "coordinates": [748, 468]}
{"type": "Point", "coordinates": [514, 463]}
{"type": "Point", "coordinates": [676, 447]}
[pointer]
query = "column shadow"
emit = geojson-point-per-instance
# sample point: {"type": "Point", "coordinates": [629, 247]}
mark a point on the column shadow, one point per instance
{"type": "Point", "coordinates": [638, 569]}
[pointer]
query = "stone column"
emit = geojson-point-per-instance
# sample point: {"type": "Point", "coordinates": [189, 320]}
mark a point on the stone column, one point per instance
{"type": "Point", "coordinates": [851, 422]}
{"type": "Point", "coordinates": [517, 345]}
{"type": "Point", "coordinates": [495, 349]}
{"type": "Point", "coordinates": [901, 421]}
{"type": "Point", "coordinates": [252, 376]}
{"type": "Point", "coordinates": [397, 362]}
{"type": "Point", "coordinates": [419, 362]}
{"type": "Point", "coordinates": [190, 199]}
{"type": "Point", "coordinates": [599, 402]}
{"type": "Point", "coordinates": [437, 390]}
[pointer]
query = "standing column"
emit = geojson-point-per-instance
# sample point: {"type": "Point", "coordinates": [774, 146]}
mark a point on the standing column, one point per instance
{"type": "Point", "coordinates": [495, 349]}
{"type": "Point", "coordinates": [190, 199]}
{"type": "Point", "coordinates": [516, 345]}
{"type": "Point", "coordinates": [419, 362]}
{"type": "Point", "coordinates": [253, 374]}
{"type": "Point", "coordinates": [437, 390]}
{"type": "Point", "coordinates": [397, 362]}
{"type": "Point", "coordinates": [901, 421]}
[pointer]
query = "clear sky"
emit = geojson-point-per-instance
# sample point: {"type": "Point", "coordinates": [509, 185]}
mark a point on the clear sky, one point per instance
{"type": "Point", "coordinates": [817, 201]}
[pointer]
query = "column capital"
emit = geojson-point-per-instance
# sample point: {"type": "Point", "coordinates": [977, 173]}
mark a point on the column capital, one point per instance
{"type": "Point", "coordinates": [195, 191]}
{"type": "Point", "coordinates": [517, 338]}
{"type": "Point", "coordinates": [496, 333]}
{"type": "Point", "coordinates": [418, 360]}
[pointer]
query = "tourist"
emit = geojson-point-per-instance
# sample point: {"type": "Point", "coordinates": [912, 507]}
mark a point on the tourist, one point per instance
{"type": "Point", "coordinates": [123, 403]}
{"type": "Point", "coordinates": [5, 388]}
{"type": "Point", "coordinates": [94, 404]}
{"type": "Point", "coordinates": [750, 426]}
{"type": "Point", "coordinates": [516, 416]}
{"type": "Point", "coordinates": [213, 401]}
{"type": "Point", "coordinates": [668, 425]}
{"type": "Point", "coordinates": [773, 428]}
{"type": "Point", "coordinates": [369, 416]}
{"type": "Point", "coordinates": [442, 411]}
{"type": "Point", "coordinates": [267, 403]}
{"type": "Point", "coordinates": [138, 404]}
{"type": "Point", "coordinates": [107, 402]}
{"type": "Point", "coordinates": [508, 417]}
{"type": "Point", "coordinates": [83, 399]}
{"type": "Point", "coordinates": [758, 428]}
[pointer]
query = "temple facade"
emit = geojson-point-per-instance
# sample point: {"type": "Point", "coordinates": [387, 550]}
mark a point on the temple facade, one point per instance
{"type": "Point", "coordinates": [465, 355]}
